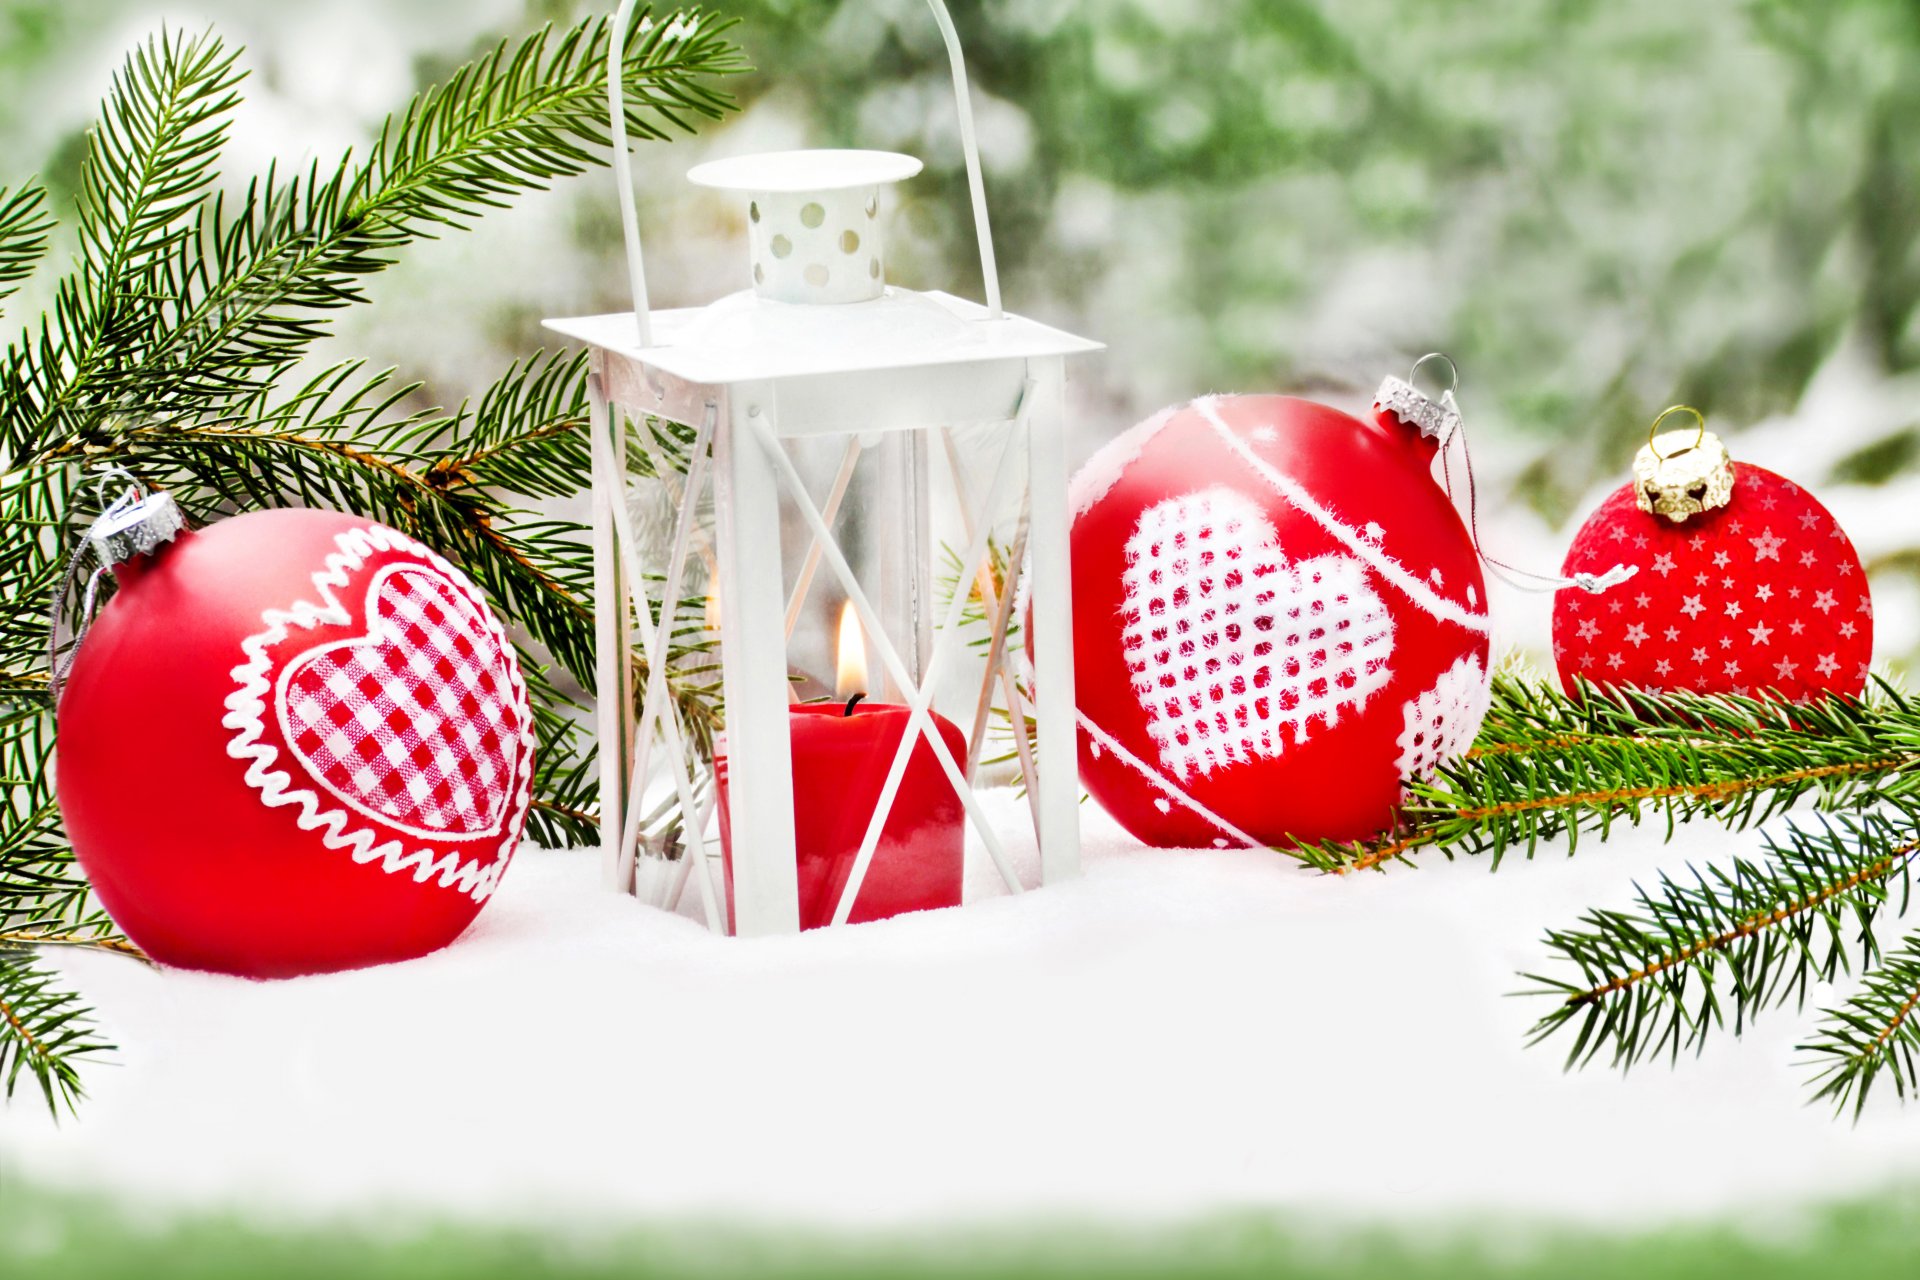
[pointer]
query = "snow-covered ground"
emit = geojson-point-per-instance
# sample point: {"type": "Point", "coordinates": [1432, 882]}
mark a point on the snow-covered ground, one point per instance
{"type": "Point", "coordinates": [1173, 1034]}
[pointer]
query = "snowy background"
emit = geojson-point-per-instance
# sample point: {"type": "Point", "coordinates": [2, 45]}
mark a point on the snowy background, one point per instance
{"type": "Point", "coordinates": [1597, 210]}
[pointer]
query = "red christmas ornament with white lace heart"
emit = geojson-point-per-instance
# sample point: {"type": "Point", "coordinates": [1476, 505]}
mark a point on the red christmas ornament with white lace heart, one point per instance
{"type": "Point", "coordinates": [1745, 585]}
{"type": "Point", "coordinates": [292, 742]}
{"type": "Point", "coordinates": [1279, 619]}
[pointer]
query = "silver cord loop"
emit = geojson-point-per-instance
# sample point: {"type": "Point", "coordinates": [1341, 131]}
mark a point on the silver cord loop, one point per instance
{"type": "Point", "coordinates": [1514, 576]}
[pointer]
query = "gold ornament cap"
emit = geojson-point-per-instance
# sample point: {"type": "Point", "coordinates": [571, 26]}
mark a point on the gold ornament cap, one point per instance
{"type": "Point", "coordinates": [1682, 473]}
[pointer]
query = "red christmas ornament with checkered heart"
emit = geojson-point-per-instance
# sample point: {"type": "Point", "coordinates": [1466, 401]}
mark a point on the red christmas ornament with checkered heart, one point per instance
{"type": "Point", "coordinates": [1279, 619]}
{"type": "Point", "coordinates": [1746, 585]}
{"type": "Point", "coordinates": [293, 742]}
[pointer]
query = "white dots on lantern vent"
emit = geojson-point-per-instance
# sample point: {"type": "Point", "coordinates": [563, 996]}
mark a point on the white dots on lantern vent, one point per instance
{"type": "Point", "coordinates": [817, 276]}
{"type": "Point", "coordinates": [812, 215]}
{"type": "Point", "coordinates": [849, 242]}
{"type": "Point", "coordinates": [753, 211]}
{"type": "Point", "coordinates": [782, 247]}
{"type": "Point", "coordinates": [873, 269]}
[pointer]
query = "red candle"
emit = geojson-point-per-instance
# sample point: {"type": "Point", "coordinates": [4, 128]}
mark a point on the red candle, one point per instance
{"type": "Point", "coordinates": [842, 753]}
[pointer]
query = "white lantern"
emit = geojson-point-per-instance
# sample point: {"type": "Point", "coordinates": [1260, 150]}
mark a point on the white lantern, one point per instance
{"type": "Point", "coordinates": [820, 346]}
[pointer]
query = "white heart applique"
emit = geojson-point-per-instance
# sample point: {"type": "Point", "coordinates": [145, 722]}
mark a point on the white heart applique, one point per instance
{"type": "Point", "coordinates": [1438, 726]}
{"type": "Point", "coordinates": [416, 722]}
{"type": "Point", "coordinates": [1230, 644]}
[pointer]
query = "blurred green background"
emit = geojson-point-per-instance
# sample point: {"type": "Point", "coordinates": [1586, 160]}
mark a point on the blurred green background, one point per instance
{"type": "Point", "coordinates": [79, 1239]}
{"type": "Point", "coordinates": [1597, 208]}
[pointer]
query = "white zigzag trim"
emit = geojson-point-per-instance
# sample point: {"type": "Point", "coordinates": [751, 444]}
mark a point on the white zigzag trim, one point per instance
{"type": "Point", "coordinates": [247, 711]}
{"type": "Point", "coordinates": [1383, 564]}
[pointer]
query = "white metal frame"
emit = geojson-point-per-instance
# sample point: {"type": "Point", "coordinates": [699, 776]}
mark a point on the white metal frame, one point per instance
{"type": "Point", "coordinates": [742, 405]}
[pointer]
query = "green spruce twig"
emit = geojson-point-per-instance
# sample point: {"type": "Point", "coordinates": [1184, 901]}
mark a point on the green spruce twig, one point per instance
{"type": "Point", "coordinates": [1548, 764]}
{"type": "Point", "coordinates": [1874, 1034]}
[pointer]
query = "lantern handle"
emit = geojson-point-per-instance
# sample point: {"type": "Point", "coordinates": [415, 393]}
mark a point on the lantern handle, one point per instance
{"type": "Point", "coordinates": [623, 163]}
{"type": "Point", "coordinates": [970, 144]}
{"type": "Point", "coordinates": [623, 169]}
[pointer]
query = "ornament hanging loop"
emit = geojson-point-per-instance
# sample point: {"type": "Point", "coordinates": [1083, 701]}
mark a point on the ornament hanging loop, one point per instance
{"type": "Point", "coordinates": [1453, 371]}
{"type": "Point", "coordinates": [1653, 432]}
{"type": "Point", "coordinates": [107, 501]}
{"type": "Point", "coordinates": [1437, 420]}
{"type": "Point", "coordinates": [1679, 482]}
{"type": "Point", "coordinates": [1440, 421]}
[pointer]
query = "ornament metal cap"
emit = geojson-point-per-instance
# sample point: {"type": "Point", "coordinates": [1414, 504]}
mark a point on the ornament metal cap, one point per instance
{"type": "Point", "coordinates": [1682, 473]}
{"type": "Point", "coordinates": [134, 526]}
{"type": "Point", "coordinates": [1437, 420]}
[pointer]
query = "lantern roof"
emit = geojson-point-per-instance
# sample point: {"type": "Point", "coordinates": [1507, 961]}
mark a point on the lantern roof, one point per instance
{"type": "Point", "coordinates": [747, 338]}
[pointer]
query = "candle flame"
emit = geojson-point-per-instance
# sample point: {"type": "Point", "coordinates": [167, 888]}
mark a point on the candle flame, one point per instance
{"type": "Point", "coordinates": [852, 677]}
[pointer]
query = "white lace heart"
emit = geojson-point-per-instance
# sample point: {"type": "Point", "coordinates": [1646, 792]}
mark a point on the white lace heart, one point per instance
{"type": "Point", "coordinates": [1235, 652]}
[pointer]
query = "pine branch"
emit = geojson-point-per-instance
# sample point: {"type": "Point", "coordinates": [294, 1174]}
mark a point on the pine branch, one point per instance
{"type": "Point", "coordinates": [1873, 1034]}
{"type": "Point", "coordinates": [44, 1032]}
{"type": "Point", "coordinates": [1548, 765]}
{"type": "Point", "coordinates": [39, 885]}
{"type": "Point", "coordinates": [24, 227]}
{"type": "Point", "coordinates": [510, 123]}
{"type": "Point", "coordinates": [240, 295]}
{"type": "Point", "coordinates": [566, 777]}
{"type": "Point", "coordinates": [149, 161]}
{"type": "Point", "coordinates": [1726, 943]}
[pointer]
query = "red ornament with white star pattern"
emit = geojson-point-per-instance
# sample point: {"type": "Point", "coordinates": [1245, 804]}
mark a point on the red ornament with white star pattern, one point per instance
{"type": "Point", "coordinates": [1764, 594]}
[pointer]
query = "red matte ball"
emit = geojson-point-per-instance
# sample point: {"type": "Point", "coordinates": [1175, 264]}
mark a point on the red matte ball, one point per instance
{"type": "Point", "coordinates": [294, 742]}
{"type": "Point", "coordinates": [1279, 621]}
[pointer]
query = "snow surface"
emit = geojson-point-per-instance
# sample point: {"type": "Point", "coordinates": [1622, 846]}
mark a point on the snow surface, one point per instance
{"type": "Point", "coordinates": [1175, 1033]}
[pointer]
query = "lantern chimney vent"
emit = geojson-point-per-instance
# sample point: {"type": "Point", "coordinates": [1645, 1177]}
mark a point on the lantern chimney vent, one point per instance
{"type": "Point", "coordinates": [813, 220]}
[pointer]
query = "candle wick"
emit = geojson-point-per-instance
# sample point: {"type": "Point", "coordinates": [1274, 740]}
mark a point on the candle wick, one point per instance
{"type": "Point", "coordinates": [851, 702]}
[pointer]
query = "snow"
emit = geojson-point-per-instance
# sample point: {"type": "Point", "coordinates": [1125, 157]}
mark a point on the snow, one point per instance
{"type": "Point", "coordinates": [1174, 1033]}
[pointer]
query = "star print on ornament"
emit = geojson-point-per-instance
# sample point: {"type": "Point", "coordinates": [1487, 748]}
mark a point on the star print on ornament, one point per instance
{"type": "Point", "coordinates": [1755, 595]}
{"type": "Point", "coordinates": [1235, 653]}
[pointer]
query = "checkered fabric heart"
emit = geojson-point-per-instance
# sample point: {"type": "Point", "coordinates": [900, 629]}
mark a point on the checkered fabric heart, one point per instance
{"type": "Point", "coordinates": [1233, 650]}
{"type": "Point", "coordinates": [415, 722]}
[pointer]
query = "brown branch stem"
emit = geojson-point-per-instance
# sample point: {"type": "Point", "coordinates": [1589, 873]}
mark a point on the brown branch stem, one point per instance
{"type": "Point", "coordinates": [1878, 869]}
{"type": "Point", "coordinates": [578, 815]}
{"type": "Point", "coordinates": [81, 941]}
{"type": "Point", "coordinates": [1709, 791]}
